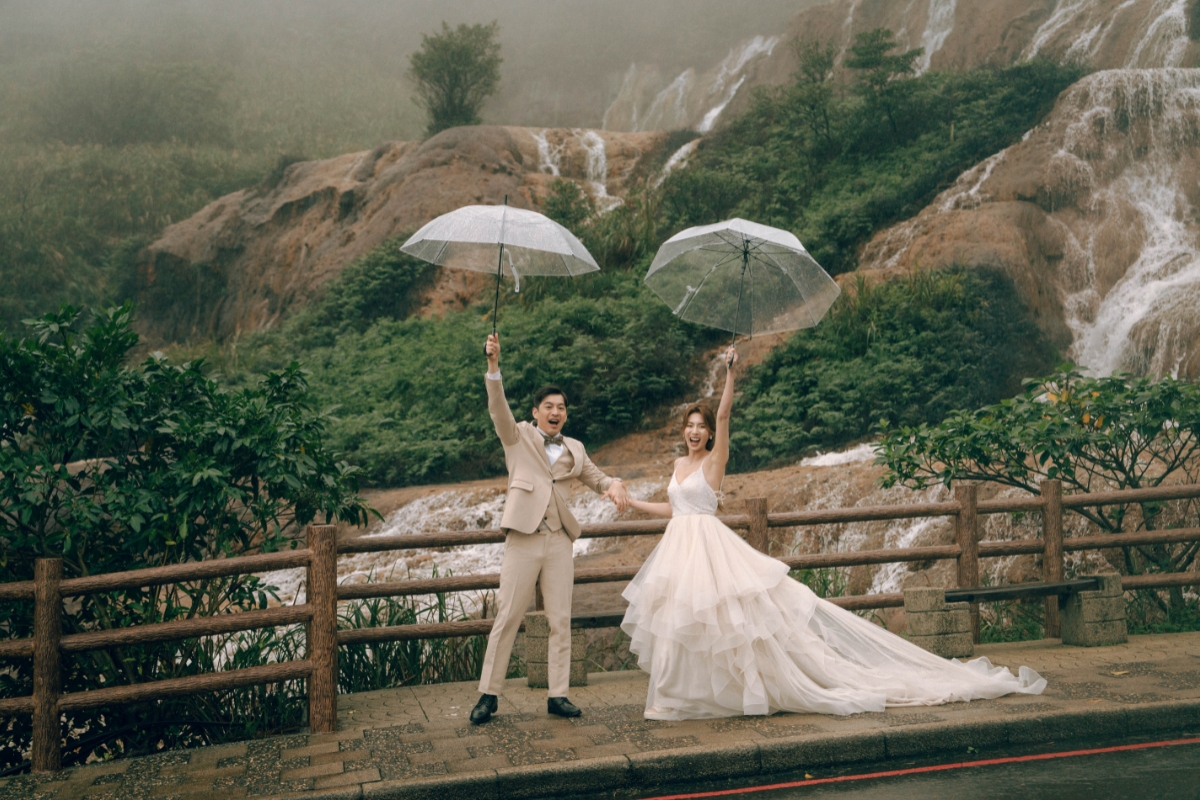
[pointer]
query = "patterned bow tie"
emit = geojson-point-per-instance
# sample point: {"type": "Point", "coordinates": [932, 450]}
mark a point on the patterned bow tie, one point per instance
{"type": "Point", "coordinates": [555, 439]}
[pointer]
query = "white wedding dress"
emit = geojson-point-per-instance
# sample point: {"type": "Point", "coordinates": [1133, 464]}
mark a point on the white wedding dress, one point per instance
{"type": "Point", "coordinates": [723, 631]}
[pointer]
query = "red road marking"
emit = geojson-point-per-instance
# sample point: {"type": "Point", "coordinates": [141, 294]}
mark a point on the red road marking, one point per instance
{"type": "Point", "coordinates": [935, 768]}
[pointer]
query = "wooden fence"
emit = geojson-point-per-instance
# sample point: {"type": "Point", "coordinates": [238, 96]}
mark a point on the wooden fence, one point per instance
{"type": "Point", "coordinates": [319, 612]}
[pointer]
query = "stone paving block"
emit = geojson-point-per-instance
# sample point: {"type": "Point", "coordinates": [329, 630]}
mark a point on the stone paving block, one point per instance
{"type": "Point", "coordinates": [948, 645]}
{"type": "Point", "coordinates": [785, 755]}
{"type": "Point", "coordinates": [312, 771]}
{"type": "Point", "coordinates": [931, 623]}
{"type": "Point", "coordinates": [563, 778]}
{"type": "Point", "coordinates": [695, 763]}
{"type": "Point", "coordinates": [329, 746]}
{"type": "Point", "coordinates": [209, 756]}
{"type": "Point", "coordinates": [368, 775]}
{"type": "Point", "coordinates": [480, 785]}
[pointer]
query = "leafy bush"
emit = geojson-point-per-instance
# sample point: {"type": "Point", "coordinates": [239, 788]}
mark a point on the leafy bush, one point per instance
{"type": "Point", "coordinates": [904, 352]}
{"type": "Point", "coordinates": [835, 162]}
{"type": "Point", "coordinates": [110, 466]}
{"type": "Point", "coordinates": [1093, 434]}
{"type": "Point", "coordinates": [410, 395]}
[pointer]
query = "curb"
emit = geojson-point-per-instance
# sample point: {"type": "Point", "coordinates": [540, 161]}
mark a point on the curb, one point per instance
{"type": "Point", "coordinates": [648, 771]}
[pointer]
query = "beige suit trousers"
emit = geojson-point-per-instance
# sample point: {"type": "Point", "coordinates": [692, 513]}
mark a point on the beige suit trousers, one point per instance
{"type": "Point", "coordinates": [528, 556]}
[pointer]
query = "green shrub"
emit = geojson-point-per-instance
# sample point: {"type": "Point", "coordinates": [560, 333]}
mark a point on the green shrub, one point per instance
{"type": "Point", "coordinates": [110, 466]}
{"type": "Point", "coordinates": [411, 402]}
{"type": "Point", "coordinates": [836, 163]}
{"type": "Point", "coordinates": [913, 349]}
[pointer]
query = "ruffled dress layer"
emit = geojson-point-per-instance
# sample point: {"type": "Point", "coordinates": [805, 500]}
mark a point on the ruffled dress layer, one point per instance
{"type": "Point", "coordinates": [723, 631]}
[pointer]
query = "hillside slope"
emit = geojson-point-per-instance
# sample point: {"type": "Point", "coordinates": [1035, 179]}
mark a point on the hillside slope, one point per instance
{"type": "Point", "coordinates": [1093, 215]}
{"type": "Point", "coordinates": [242, 262]}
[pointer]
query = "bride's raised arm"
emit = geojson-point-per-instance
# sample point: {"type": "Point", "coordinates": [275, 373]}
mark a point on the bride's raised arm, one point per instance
{"type": "Point", "coordinates": [714, 465]}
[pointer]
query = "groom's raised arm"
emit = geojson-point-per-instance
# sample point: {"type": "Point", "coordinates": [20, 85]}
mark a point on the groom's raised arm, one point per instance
{"type": "Point", "coordinates": [502, 416]}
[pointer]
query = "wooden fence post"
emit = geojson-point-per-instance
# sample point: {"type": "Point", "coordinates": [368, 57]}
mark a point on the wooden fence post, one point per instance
{"type": "Point", "coordinates": [966, 535]}
{"type": "Point", "coordinates": [756, 534]}
{"type": "Point", "coordinates": [1052, 556]}
{"type": "Point", "coordinates": [322, 630]}
{"type": "Point", "coordinates": [47, 671]}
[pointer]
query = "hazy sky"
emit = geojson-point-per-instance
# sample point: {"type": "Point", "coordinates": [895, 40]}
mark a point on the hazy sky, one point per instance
{"type": "Point", "coordinates": [563, 58]}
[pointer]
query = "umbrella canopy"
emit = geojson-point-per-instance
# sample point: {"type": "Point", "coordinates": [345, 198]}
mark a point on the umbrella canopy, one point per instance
{"type": "Point", "coordinates": [471, 237]}
{"type": "Point", "coordinates": [742, 277]}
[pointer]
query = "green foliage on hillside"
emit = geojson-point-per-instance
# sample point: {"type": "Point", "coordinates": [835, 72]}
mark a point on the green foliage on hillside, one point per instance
{"type": "Point", "coordinates": [904, 352]}
{"type": "Point", "coordinates": [72, 218]}
{"type": "Point", "coordinates": [834, 161]}
{"type": "Point", "coordinates": [112, 466]}
{"type": "Point", "coordinates": [409, 392]}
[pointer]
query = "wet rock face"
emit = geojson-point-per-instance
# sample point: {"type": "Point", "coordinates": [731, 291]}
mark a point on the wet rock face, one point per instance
{"type": "Point", "coordinates": [247, 259]}
{"type": "Point", "coordinates": [1106, 34]}
{"type": "Point", "coordinates": [1094, 217]}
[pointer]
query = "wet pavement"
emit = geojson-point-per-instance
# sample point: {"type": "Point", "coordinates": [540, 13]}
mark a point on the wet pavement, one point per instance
{"type": "Point", "coordinates": [417, 743]}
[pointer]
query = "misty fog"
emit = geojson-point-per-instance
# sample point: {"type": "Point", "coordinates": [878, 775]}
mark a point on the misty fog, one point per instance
{"type": "Point", "coordinates": [325, 77]}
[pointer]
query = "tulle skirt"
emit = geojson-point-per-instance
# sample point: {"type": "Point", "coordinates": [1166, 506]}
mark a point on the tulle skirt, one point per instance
{"type": "Point", "coordinates": [723, 631]}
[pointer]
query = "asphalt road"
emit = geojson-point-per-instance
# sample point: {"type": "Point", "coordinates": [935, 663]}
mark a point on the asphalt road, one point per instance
{"type": "Point", "coordinates": [1150, 770]}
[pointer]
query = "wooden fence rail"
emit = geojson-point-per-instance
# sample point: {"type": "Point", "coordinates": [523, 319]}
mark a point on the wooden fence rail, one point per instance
{"type": "Point", "coordinates": [319, 612]}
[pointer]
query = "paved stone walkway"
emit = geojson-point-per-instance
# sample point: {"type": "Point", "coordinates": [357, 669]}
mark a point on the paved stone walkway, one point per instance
{"type": "Point", "coordinates": [417, 743]}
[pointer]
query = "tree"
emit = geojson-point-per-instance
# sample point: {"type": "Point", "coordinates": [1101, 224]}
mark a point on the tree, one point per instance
{"type": "Point", "coordinates": [112, 467]}
{"type": "Point", "coordinates": [813, 89]}
{"type": "Point", "coordinates": [1093, 434]}
{"type": "Point", "coordinates": [455, 71]}
{"type": "Point", "coordinates": [880, 73]}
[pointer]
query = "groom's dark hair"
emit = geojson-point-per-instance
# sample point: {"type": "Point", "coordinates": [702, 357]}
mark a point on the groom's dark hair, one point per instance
{"type": "Point", "coordinates": [545, 392]}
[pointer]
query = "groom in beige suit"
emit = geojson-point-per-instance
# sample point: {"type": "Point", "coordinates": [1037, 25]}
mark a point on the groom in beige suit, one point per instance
{"type": "Point", "coordinates": [540, 530]}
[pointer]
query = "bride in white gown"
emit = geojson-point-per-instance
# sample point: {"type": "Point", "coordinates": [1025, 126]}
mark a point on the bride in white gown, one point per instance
{"type": "Point", "coordinates": [723, 631]}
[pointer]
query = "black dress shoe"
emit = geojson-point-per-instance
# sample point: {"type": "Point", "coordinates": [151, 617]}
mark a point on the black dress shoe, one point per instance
{"type": "Point", "coordinates": [484, 709]}
{"type": "Point", "coordinates": [562, 707]}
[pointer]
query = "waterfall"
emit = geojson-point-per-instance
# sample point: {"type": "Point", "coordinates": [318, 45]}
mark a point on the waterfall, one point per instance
{"type": "Point", "coordinates": [733, 66]}
{"type": "Point", "coordinates": [549, 157]}
{"type": "Point", "coordinates": [669, 111]}
{"type": "Point", "coordinates": [678, 159]}
{"type": "Point", "coordinates": [597, 171]}
{"type": "Point", "coordinates": [1144, 126]}
{"type": "Point", "coordinates": [939, 23]}
{"type": "Point", "coordinates": [452, 509]}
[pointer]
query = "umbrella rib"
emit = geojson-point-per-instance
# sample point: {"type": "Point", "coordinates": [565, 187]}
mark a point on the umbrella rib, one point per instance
{"type": "Point", "coordinates": [704, 280]}
{"type": "Point", "coordinates": [804, 300]}
{"type": "Point", "coordinates": [441, 250]}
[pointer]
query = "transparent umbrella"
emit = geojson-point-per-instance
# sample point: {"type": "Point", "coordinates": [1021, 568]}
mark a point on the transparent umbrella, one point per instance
{"type": "Point", "coordinates": [501, 239]}
{"type": "Point", "coordinates": [741, 277]}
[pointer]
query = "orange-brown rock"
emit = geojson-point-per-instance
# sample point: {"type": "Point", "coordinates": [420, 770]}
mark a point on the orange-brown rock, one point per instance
{"type": "Point", "coordinates": [247, 259]}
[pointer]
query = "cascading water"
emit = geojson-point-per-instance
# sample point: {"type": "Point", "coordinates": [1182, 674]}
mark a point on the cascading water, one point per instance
{"type": "Point", "coordinates": [731, 75]}
{"type": "Point", "coordinates": [1144, 123]}
{"type": "Point", "coordinates": [939, 22]}
{"type": "Point", "coordinates": [453, 509]}
{"type": "Point", "coordinates": [549, 156]}
{"type": "Point", "coordinates": [669, 109]}
{"type": "Point", "coordinates": [1133, 35]}
{"type": "Point", "coordinates": [597, 171]}
{"type": "Point", "coordinates": [677, 159]}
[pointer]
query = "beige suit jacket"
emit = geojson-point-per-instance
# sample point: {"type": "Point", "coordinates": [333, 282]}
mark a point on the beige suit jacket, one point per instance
{"type": "Point", "coordinates": [531, 483]}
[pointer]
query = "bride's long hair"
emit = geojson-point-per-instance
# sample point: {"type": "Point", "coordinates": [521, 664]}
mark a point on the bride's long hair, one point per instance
{"type": "Point", "coordinates": [710, 421]}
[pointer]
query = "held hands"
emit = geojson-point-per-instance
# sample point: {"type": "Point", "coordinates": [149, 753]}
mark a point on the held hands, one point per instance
{"type": "Point", "coordinates": [492, 350]}
{"type": "Point", "coordinates": [616, 492]}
